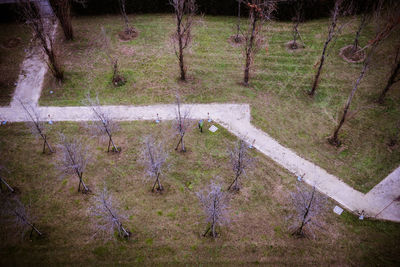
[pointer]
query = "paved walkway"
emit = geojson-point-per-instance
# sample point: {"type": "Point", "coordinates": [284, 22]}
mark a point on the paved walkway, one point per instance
{"type": "Point", "coordinates": [378, 203]}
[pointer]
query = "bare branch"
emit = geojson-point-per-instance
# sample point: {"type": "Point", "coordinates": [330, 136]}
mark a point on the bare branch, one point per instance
{"type": "Point", "coordinates": [14, 214]}
{"type": "Point", "coordinates": [340, 9]}
{"type": "Point", "coordinates": [184, 14]}
{"type": "Point", "coordinates": [240, 162]}
{"type": "Point", "coordinates": [107, 219]}
{"type": "Point", "coordinates": [75, 158]}
{"type": "Point", "coordinates": [62, 9]}
{"type": "Point", "coordinates": [103, 122]}
{"type": "Point", "coordinates": [117, 79]}
{"type": "Point", "coordinates": [41, 28]}
{"type": "Point", "coordinates": [309, 205]}
{"type": "Point", "coordinates": [154, 158]}
{"type": "Point", "coordinates": [36, 125]}
{"type": "Point", "coordinates": [215, 205]}
{"type": "Point", "coordinates": [260, 11]}
{"type": "Point", "coordinates": [182, 123]}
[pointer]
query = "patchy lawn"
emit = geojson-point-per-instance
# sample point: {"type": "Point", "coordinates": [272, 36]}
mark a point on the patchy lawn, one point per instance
{"type": "Point", "coordinates": [167, 227]}
{"type": "Point", "coordinates": [14, 39]}
{"type": "Point", "coordinates": [276, 93]}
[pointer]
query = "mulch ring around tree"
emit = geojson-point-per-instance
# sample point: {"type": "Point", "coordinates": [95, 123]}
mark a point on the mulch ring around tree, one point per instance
{"type": "Point", "coordinates": [236, 40]}
{"type": "Point", "coordinates": [128, 34]}
{"type": "Point", "coordinates": [12, 42]}
{"type": "Point", "coordinates": [292, 46]}
{"type": "Point", "coordinates": [352, 57]}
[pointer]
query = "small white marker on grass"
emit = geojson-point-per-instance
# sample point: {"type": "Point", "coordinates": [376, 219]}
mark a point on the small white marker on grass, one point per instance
{"type": "Point", "coordinates": [338, 210]}
{"type": "Point", "coordinates": [213, 129]}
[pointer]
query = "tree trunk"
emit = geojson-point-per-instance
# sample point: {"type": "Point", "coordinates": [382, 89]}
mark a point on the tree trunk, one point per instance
{"type": "Point", "coordinates": [316, 79]}
{"type": "Point", "coordinates": [249, 49]}
{"type": "Point", "coordinates": [213, 221]}
{"type": "Point", "coordinates": [392, 80]}
{"type": "Point", "coordinates": [183, 144]}
{"type": "Point", "coordinates": [53, 64]}
{"type": "Point", "coordinates": [158, 183]}
{"type": "Point", "coordinates": [295, 34]}
{"type": "Point", "coordinates": [235, 182]}
{"type": "Point", "coordinates": [179, 142]}
{"type": "Point", "coordinates": [299, 231]}
{"type": "Point", "coordinates": [360, 28]}
{"type": "Point", "coordinates": [62, 9]}
{"type": "Point", "coordinates": [44, 144]}
{"type": "Point", "coordinates": [238, 24]}
{"type": "Point", "coordinates": [81, 182]}
{"type": "Point", "coordinates": [180, 43]}
{"type": "Point", "coordinates": [111, 141]}
{"type": "Point", "coordinates": [334, 140]}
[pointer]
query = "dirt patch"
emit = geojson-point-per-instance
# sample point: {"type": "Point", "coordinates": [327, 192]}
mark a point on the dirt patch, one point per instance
{"type": "Point", "coordinates": [351, 56]}
{"type": "Point", "coordinates": [294, 46]}
{"type": "Point", "coordinates": [236, 40]}
{"type": "Point", "coordinates": [128, 34]}
{"type": "Point", "coordinates": [12, 42]}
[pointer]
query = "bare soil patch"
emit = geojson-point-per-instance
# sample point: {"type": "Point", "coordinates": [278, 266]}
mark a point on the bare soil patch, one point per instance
{"type": "Point", "coordinates": [128, 34]}
{"type": "Point", "coordinates": [351, 56]}
{"type": "Point", "coordinates": [294, 46]}
{"type": "Point", "coordinates": [236, 40]}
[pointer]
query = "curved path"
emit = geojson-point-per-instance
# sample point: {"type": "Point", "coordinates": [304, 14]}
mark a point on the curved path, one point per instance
{"type": "Point", "coordinates": [379, 203]}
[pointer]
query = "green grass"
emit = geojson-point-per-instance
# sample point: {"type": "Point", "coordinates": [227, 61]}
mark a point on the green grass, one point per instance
{"type": "Point", "coordinates": [277, 96]}
{"type": "Point", "coordinates": [11, 58]}
{"type": "Point", "coordinates": [167, 227]}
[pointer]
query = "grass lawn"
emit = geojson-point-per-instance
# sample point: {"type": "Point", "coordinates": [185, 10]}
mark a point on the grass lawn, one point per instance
{"type": "Point", "coordinates": [167, 227]}
{"type": "Point", "coordinates": [276, 93]}
{"type": "Point", "coordinates": [11, 57]}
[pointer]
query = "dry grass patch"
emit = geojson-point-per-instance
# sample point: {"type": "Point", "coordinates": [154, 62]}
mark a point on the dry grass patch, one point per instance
{"type": "Point", "coordinates": [167, 227]}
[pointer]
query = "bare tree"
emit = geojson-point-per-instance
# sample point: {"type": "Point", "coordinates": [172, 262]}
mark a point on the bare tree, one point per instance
{"type": "Point", "coordinates": [361, 26]}
{"type": "Point", "coordinates": [394, 75]}
{"type": "Point", "coordinates": [340, 9]}
{"type": "Point", "coordinates": [103, 122]}
{"type": "Point", "coordinates": [240, 161]}
{"type": "Point", "coordinates": [215, 205]}
{"type": "Point", "coordinates": [309, 206]}
{"type": "Point", "coordinates": [184, 13]}
{"type": "Point", "coordinates": [237, 38]}
{"type": "Point", "coordinates": [62, 9]}
{"type": "Point", "coordinates": [298, 18]}
{"type": "Point", "coordinates": [182, 123]}
{"type": "Point", "coordinates": [15, 214]}
{"type": "Point", "coordinates": [41, 28]}
{"type": "Point", "coordinates": [75, 158]}
{"type": "Point", "coordinates": [389, 20]}
{"type": "Point", "coordinates": [154, 156]}
{"type": "Point", "coordinates": [117, 79]}
{"type": "Point", "coordinates": [36, 125]}
{"type": "Point", "coordinates": [260, 11]}
{"type": "Point", "coordinates": [130, 31]}
{"type": "Point", "coordinates": [108, 220]}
